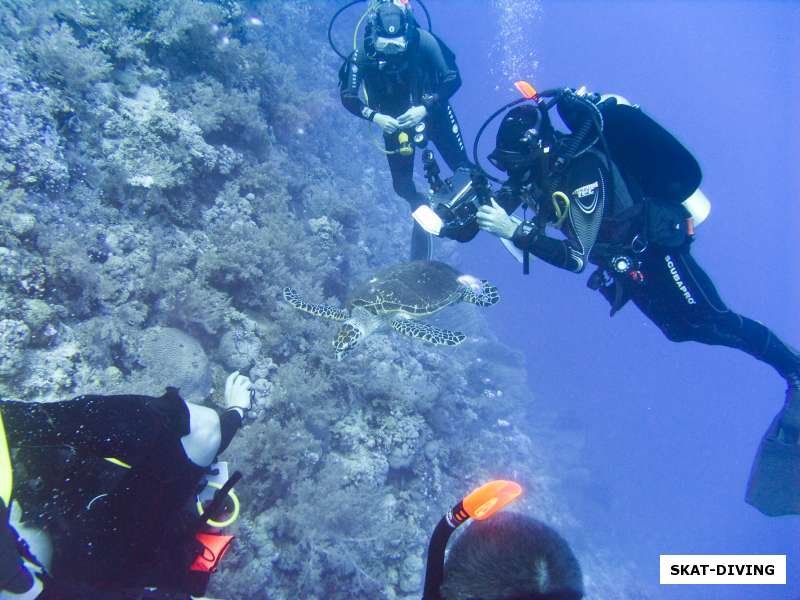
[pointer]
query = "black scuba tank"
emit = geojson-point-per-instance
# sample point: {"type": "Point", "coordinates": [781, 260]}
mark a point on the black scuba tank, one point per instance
{"type": "Point", "coordinates": [643, 150]}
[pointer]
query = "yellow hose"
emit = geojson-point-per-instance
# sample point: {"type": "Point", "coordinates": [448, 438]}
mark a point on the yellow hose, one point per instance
{"type": "Point", "coordinates": [234, 515]}
{"type": "Point", "coordinates": [561, 214]}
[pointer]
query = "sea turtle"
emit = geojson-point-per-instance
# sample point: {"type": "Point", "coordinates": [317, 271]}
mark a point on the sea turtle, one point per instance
{"type": "Point", "coordinates": [397, 297]}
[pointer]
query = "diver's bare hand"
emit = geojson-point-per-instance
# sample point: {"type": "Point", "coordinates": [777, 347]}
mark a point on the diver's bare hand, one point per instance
{"type": "Point", "coordinates": [495, 220]}
{"type": "Point", "coordinates": [412, 117]}
{"type": "Point", "coordinates": [237, 392]}
{"type": "Point", "coordinates": [387, 124]}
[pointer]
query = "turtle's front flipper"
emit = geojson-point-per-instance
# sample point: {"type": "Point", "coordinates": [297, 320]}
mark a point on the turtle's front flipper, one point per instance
{"type": "Point", "coordinates": [318, 310]}
{"type": "Point", "coordinates": [486, 296]}
{"type": "Point", "coordinates": [428, 333]}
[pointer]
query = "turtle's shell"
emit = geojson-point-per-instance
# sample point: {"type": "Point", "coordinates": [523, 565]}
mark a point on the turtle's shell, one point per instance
{"type": "Point", "coordinates": [417, 288]}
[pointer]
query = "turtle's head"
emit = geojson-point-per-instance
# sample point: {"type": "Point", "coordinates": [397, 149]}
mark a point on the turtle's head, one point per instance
{"type": "Point", "coordinates": [347, 338]}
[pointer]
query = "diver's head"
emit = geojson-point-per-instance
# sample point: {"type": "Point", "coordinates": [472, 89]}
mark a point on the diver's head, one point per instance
{"type": "Point", "coordinates": [508, 557]}
{"type": "Point", "coordinates": [524, 140]}
{"type": "Point", "coordinates": [390, 31]}
{"type": "Point", "coordinates": [347, 338]}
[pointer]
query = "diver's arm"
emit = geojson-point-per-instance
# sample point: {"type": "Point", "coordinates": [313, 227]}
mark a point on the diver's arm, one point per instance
{"type": "Point", "coordinates": [449, 79]}
{"type": "Point", "coordinates": [556, 252]}
{"type": "Point", "coordinates": [238, 400]}
{"type": "Point", "coordinates": [211, 432]}
{"type": "Point", "coordinates": [350, 87]}
{"type": "Point", "coordinates": [585, 186]}
{"type": "Point", "coordinates": [230, 422]}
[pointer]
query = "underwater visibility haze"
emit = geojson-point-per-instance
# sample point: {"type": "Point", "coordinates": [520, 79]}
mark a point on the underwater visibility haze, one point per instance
{"type": "Point", "coordinates": [183, 196]}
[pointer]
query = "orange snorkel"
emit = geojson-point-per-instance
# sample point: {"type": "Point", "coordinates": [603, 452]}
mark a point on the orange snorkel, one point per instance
{"type": "Point", "coordinates": [526, 89]}
{"type": "Point", "coordinates": [479, 505]}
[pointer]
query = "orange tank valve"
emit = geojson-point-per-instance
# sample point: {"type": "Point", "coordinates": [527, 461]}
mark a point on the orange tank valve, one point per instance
{"type": "Point", "coordinates": [490, 498]}
{"type": "Point", "coordinates": [526, 89]}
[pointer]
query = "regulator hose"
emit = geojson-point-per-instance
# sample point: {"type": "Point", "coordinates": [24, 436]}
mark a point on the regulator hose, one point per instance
{"type": "Point", "coordinates": [333, 20]}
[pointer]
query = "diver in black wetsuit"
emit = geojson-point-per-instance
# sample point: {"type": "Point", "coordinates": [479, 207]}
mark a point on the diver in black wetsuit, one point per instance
{"type": "Point", "coordinates": [639, 237]}
{"type": "Point", "coordinates": [408, 76]}
{"type": "Point", "coordinates": [116, 528]}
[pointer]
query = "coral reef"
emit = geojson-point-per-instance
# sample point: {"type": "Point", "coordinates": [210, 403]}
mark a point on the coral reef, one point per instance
{"type": "Point", "coordinates": [168, 167]}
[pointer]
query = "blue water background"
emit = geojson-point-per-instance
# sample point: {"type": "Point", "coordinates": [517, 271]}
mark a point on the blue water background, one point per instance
{"type": "Point", "coordinates": [670, 429]}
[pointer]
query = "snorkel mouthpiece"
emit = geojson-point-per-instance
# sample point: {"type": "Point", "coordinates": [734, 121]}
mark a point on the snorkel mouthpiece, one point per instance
{"type": "Point", "coordinates": [479, 505]}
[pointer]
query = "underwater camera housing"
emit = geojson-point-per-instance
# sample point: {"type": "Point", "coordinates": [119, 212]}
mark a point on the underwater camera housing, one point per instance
{"type": "Point", "coordinates": [453, 202]}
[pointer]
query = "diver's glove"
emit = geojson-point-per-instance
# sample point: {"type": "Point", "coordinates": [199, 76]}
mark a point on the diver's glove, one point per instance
{"type": "Point", "coordinates": [412, 117]}
{"type": "Point", "coordinates": [387, 124]}
{"type": "Point", "coordinates": [238, 394]}
{"type": "Point", "coordinates": [495, 220]}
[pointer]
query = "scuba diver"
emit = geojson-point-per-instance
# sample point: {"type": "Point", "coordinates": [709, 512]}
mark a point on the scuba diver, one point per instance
{"type": "Point", "coordinates": [407, 76]}
{"type": "Point", "coordinates": [501, 556]}
{"type": "Point", "coordinates": [625, 195]}
{"type": "Point", "coordinates": [126, 511]}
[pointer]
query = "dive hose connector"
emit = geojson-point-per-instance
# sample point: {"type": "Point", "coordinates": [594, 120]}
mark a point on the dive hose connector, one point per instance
{"type": "Point", "coordinates": [479, 505]}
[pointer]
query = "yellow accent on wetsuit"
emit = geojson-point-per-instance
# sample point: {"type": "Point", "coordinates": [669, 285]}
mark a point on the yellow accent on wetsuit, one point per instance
{"type": "Point", "coordinates": [6, 473]}
{"type": "Point", "coordinates": [118, 462]}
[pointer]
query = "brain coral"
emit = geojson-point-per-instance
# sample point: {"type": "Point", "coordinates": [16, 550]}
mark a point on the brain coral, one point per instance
{"type": "Point", "coordinates": [171, 357]}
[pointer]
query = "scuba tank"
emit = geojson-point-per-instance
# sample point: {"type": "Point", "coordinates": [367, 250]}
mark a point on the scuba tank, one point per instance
{"type": "Point", "coordinates": [645, 151]}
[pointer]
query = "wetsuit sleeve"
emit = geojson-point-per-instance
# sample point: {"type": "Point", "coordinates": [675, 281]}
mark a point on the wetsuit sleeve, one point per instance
{"type": "Point", "coordinates": [119, 426]}
{"type": "Point", "coordinates": [229, 422]}
{"type": "Point", "coordinates": [445, 73]}
{"type": "Point", "coordinates": [350, 86]}
{"type": "Point", "coordinates": [585, 186]}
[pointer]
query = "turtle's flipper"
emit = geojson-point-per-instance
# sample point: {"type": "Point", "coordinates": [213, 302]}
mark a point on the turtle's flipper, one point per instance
{"type": "Point", "coordinates": [486, 296]}
{"type": "Point", "coordinates": [428, 333]}
{"type": "Point", "coordinates": [318, 310]}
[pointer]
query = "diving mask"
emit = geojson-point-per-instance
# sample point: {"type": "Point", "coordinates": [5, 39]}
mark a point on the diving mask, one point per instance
{"type": "Point", "coordinates": [391, 45]}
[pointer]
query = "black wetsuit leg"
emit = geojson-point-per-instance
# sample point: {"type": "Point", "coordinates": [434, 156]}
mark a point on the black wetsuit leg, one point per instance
{"type": "Point", "coordinates": [445, 134]}
{"type": "Point", "coordinates": [402, 169]}
{"type": "Point", "coordinates": [679, 297]}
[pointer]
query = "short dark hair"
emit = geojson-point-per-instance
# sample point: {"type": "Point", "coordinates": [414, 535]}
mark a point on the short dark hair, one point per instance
{"type": "Point", "coordinates": [510, 556]}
